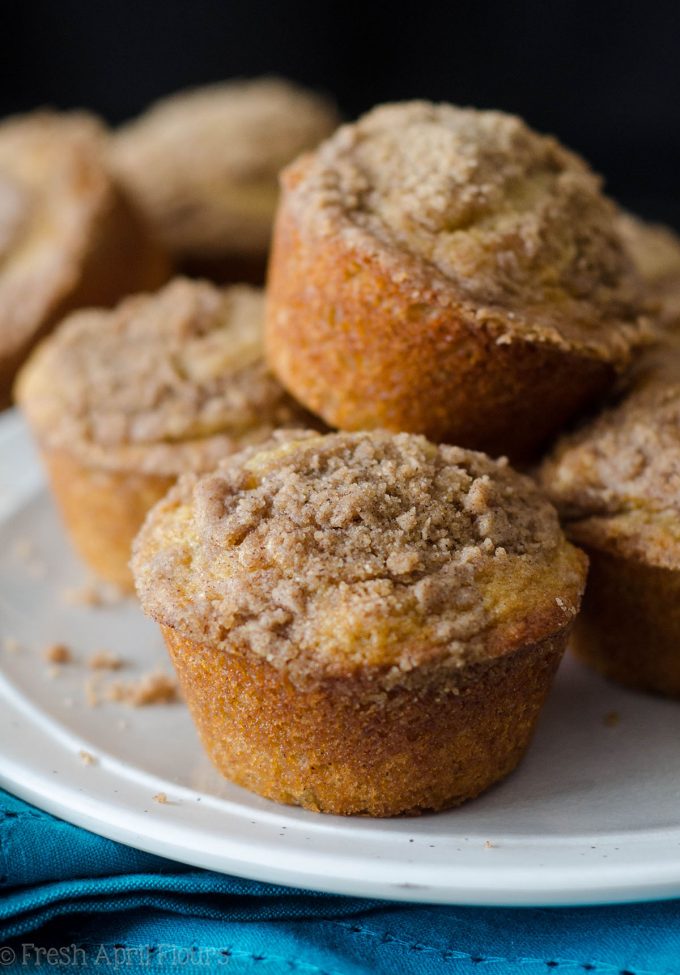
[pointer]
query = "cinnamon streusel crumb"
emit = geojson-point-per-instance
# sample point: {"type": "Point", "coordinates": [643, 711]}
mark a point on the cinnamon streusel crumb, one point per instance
{"type": "Point", "coordinates": [58, 653]}
{"type": "Point", "coordinates": [105, 660]}
{"type": "Point", "coordinates": [152, 688]}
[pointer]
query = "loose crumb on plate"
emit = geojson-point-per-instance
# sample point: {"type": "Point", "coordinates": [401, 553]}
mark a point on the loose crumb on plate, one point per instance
{"type": "Point", "coordinates": [87, 758]}
{"type": "Point", "coordinates": [152, 688]}
{"type": "Point", "coordinates": [58, 653]}
{"type": "Point", "coordinates": [105, 660]}
{"type": "Point", "coordinates": [93, 594]}
{"type": "Point", "coordinates": [489, 845]}
{"type": "Point", "coordinates": [161, 798]}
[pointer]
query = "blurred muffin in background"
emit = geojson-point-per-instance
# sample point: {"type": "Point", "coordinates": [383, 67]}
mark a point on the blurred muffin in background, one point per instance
{"type": "Point", "coordinates": [121, 402]}
{"type": "Point", "coordinates": [204, 165]}
{"type": "Point", "coordinates": [68, 235]}
{"type": "Point", "coordinates": [655, 250]}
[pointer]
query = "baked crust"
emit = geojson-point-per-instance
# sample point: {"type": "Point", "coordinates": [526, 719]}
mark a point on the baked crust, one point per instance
{"type": "Point", "coordinates": [72, 237]}
{"type": "Point", "coordinates": [489, 325]}
{"type": "Point", "coordinates": [204, 163]}
{"type": "Point", "coordinates": [344, 747]}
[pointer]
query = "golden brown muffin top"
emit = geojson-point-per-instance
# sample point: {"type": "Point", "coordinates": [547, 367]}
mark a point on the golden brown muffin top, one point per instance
{"type": "Point", "coordinates": [493, 216]}
{"type": "Point", "coordinates": [53, 190]}
{"type": "Point", "coordinates": [205, 162]}
{"type": "Point", "coordinates": [617, 479]}
{"type": "Point", "coordinates": [655, 251]}
{"type": "Point", "coordinates": [164, 382]}
{"type": "Point", "coordinates": [330, 553]}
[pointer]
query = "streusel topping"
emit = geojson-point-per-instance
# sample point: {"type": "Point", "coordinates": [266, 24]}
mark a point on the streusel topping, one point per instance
{"type": "Point", "coordinates": [162, 377]}
{"type": "Point", "coordinates": [345, 550]}
{"type": "Point", "coordinates": [507, 220]}
{"type": "Point", "coordinates": [619, 476]}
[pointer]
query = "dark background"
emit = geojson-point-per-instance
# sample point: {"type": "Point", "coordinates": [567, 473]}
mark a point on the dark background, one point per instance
{"type": "Point", "coordinates": [603, 76]}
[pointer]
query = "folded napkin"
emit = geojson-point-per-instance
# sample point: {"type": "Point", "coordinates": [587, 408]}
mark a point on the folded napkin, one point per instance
{"type": "Point", "coordinates": [100, 906]}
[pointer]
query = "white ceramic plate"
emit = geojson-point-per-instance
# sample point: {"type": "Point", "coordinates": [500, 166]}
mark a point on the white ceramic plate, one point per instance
{"type": "Point", "coordinates": [592, 815]}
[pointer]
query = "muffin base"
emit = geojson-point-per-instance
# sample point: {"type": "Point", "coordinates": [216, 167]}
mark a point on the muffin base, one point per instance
{"type": "Point", "coordinates": [103, 511]}
{"type": "Point", "coordinates": [365, 351]}
{"type": "Point", "coordinates": [629, 626]}
{"type": "Point", "coordinates": [345, 746]}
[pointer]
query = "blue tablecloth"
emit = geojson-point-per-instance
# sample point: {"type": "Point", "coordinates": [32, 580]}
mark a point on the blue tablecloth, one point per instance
{"type": "Point", "coordinates": [70, 899]}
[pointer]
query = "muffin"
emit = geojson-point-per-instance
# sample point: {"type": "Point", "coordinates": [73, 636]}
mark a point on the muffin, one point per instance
{"type": "Point", "coordinates": [68, 236]}
{"type": "Point", "coordinates": [449, 272]}
{"type": "Point", "coordinates": [655, 251]}
{"type": "Point", "coordinates": [616, 482]}
{"type": "Point", "coordinates": [361, 622]}
{"type": "Point", "coordinates": [204, 165]}
{"type": "Point", "coordinates": [121, 402]}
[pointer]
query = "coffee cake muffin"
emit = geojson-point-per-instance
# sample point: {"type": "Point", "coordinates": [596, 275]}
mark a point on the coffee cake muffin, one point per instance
{"type": "Point", "coordinates": [449, 272]}
{"type": "Point", "coordinates": [204, 165]}
{"type": "Point", "coordinates": [655, 251]}
{"type": "Point", "coordinates": [616, 482]}
{"type": "Point", "coordinates": [68, 236]}
{"type": "Point", "coordinates": [121, 402]}
{"type": "Point", "coordinates": [361, 622]}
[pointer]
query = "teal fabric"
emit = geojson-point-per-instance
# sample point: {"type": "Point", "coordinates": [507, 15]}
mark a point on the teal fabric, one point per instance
{"type": "Point", "coordinates": [70, 899]}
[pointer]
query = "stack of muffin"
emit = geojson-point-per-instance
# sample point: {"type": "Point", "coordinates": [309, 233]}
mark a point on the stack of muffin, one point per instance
{"type": "Point", "coordinates": [365, 610]}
